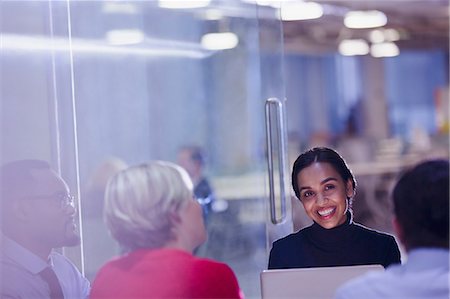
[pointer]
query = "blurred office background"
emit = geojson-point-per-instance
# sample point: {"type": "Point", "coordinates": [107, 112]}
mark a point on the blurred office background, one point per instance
{"type": "Point", "coordinates": [94, 86]}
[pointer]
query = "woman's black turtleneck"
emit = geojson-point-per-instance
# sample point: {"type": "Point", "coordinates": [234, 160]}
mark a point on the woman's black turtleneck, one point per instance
{"type": "Point", "coordinates": [348, 244]}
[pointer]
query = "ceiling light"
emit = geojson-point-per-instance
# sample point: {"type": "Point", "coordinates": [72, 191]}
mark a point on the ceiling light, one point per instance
{"type": "Point", "coordinates": [387, 49]}
{"type": "Point", "coordinates": [157, 48]}
{"type": "Point", "coordinates": [351, 47]}
{"type": "Point", "coordinates": [391, 35]}
{"type": "Point", "coordinates": [293, 11]}
{"type": "Point", "coordinates": [376, 36]}
{"type": "Point", "coordinates": [211, 14]}
{"type": "Point", "coordinates": [119, 7]}
{"type": "Point", "coordinates": [219, 41]}
{"type": "Point", "coordinates": [180, 4]}
{"type": "Point", "coordinates": [263, 2]}
{"type": "Point", "coordinates": [365, 19]}
{"type": "Point", "coordinates": [125, 36]}
{"type": "Point", "coordinates": [381, 35]}
{"type": "Point", "coordinates": [273, 3]}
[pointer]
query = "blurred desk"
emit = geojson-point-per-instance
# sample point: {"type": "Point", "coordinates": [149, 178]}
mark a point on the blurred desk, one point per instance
{"type": "Point", "coordinates": [255, 184]}
{"type": "Point", "coordinates": [383, 165]}
{"type": "Point", "coordinates": [375, 181]}
{"type": "Point", "coordinates": [249, 185]}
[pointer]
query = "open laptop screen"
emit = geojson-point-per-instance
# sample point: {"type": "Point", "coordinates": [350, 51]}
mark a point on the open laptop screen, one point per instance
{"type": "Point", "coordinates": [309, 283]}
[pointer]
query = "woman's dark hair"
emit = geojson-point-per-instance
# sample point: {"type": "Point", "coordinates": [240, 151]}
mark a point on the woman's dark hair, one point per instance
{"type": "Point", "coordinates": [322, 155]}
{"type": "Point", "coordinates": [421, 205]}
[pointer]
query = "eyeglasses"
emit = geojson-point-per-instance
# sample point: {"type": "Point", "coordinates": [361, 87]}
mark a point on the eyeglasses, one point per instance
{"type": "Point", "coordinates": [63, 200]}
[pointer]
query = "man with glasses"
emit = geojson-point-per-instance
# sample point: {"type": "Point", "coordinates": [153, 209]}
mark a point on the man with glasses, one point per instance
{"type": "Point", "coordinates": [37, 216]}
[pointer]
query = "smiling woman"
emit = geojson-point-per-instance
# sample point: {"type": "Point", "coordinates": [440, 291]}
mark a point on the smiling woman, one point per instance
{"type": "Point", "coordinates": [325, 186]}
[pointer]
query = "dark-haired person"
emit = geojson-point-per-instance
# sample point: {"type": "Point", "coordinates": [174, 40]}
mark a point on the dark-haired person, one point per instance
{"type": "Point", "coordinates": [325, 186]}
{"type": "Point", "coordinates": [37, 216]}
{"type": "Point", "coordinates": [192, 159]}
{"type": "Point", "coordinates": [421, 208]}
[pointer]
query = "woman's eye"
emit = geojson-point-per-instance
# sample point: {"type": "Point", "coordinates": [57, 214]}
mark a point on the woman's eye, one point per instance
{"type": "Point", "coordinates": [308, 194]}
{"type": "Point", "coordinates": [329, 187]}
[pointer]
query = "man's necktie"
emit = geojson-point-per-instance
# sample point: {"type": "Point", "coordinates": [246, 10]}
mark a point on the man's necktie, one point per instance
{"type": "Point", "coordinates": [53, 283]}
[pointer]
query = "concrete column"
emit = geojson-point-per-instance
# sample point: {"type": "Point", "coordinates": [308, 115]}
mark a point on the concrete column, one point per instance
{"type": "Point", "coordinates": [376, 121]}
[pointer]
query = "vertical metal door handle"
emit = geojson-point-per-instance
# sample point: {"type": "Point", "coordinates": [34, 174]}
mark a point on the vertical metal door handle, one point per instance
{"type": "Point", "coordinates": [281, 143]}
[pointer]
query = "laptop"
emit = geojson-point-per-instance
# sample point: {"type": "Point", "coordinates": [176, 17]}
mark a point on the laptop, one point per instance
{"type": "Point", "coordinates": [309, 283]}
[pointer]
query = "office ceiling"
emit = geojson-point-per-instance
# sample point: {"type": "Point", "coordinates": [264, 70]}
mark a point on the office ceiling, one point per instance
{"type": "Point", "coordinates": [422, 25]}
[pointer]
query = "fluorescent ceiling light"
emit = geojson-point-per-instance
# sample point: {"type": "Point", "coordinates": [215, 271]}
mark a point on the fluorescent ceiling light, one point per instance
{"type": "Point", "coordinates": [119, 7]}
{"type": "Point", "coordinates": [376, 36]}
{"type": "Point", "coordinates": [180, 4]}
{"type": "Point", "coordinates": [211, 14]}
{"type": "Point", "coordinates": [387, 49]}
{"type": "Point", "coordinates": [351, 47]}
{"type": "Point", "coordinates": [365, 19]}
{"type": "Point", "coordinates": [219, 41]}
{"type": "Point", "coordinates": [293, 11]}
{"type": "Point", "coordinates": [273, 3]}
{"type": "Point", "coordinates": [125, 36]}
{"type": "Point", "coordinates": [158, 48]}
{"type": "Point", "coordinates": [381, 35]}
{"type": "Point", "coordinates": [391, 35]}
{"type": "Point", "coordinates": [259, 2]}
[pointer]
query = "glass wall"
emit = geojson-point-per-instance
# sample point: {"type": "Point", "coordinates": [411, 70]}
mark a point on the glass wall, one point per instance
{"type": "Point", "coordinates": [95, 86]}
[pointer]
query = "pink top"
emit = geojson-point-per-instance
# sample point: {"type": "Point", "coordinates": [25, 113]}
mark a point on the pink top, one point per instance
{"type": "Point", "coordinates": [164, 273]}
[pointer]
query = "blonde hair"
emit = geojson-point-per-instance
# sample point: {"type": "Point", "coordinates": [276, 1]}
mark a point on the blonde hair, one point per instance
{"type": "Point", "coordinates": [139, 200]}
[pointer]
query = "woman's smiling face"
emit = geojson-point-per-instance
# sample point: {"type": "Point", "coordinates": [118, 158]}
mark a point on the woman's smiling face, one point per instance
{"type": "Point", "coordinates": [324, 194]}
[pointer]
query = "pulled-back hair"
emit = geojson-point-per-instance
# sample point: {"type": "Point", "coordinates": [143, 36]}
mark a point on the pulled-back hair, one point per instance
{"type": "Point", "coordinates": [322, 155]}
{"type": "Point", "coordinates": [139, 200]}
{"type": "Point", "coordinates": [196, 153]}
{"type": "Point", "coordinates": [421, 205]}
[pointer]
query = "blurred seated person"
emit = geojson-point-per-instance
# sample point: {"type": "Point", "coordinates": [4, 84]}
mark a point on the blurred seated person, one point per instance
{"type": "Point", "coordinates": [151, 211]}
{"type": "Point", "coordinates": [97, 241]}
{"type": "Point", "coordinates": [421, 208]}
{"type": "Point", "coordinates": [94, 192]}
{"type": "Point", "coordinates": [37, 216]}
{"type": "Point", "coordinates": [192, 159]}
{"type": "Point", "coordinates": [325, 186]}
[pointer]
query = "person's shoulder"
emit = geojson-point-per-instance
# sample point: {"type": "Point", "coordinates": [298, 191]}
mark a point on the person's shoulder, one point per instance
{"type": "Point", "coordinates": [370, 232]}
{"type": "Point", "coordinates": [361, 286]}
{"type": "Point", "coordinates": [218, 280]}
{"type": "Point", "coordinates": [211, 269]}
{"type": "Point", "coordinates": [210, 264]}
{"type": "Point", "coordinates": [292, 238]}
{"type": "Point", "coordinates": [63, 264]}
{"type": "Point", "coordinates": [58, 259]}
{"type": "Point", "coordinates": [78, 285]}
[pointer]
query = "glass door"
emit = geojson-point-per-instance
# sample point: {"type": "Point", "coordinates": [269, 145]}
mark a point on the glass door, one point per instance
{"type": "Point", "coordinates": [115, 83]}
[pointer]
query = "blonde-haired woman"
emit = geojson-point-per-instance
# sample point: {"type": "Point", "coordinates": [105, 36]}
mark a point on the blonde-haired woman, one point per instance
{"type": "Point", "coordinates": [151, 212]}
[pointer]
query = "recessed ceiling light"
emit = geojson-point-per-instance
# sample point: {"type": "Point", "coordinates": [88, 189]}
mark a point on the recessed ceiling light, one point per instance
{"type": "Point", "coordinates": [125, 36]}
{"type": "Point", "coordinates": [381, 35]}
{"type": "Point", "coordinates": [352, 47]}
{"type": "Point", "coordinates": [376, 36]}
{"type": "Point", "coordinates": [365, 19]}
{"type": "Point", "coordinates": [119, 7]}
{"type": "Point", "coordinates": [219, 41]}
{"type": "Point", "coordinates": [294, 11]}
{"type": "Point", "coordinates": [211, 14]}
{"type": "Point", "coordinates": [180, 4]}
{"type": "Point", "coordinates": [391, 35]}
{"type": "Point", "coordinates": [387, 49]}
